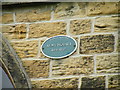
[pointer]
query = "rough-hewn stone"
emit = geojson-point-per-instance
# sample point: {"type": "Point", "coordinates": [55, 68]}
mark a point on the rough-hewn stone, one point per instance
{"type": "Point", "coordinates": [14, 31]}
{"type": "Point", "coordinates": [33, 16]}
{"type": "Point", "coordinates": [118, 46]}
{"type": "Point", "coordinates": [56, 83]}
{"type": "Point", "coordinates": [114, 82]}
{"type": "Point", "coordinates": [11, 64]}
{"type": "Point", "coordinates": [118, 42]}
{"type": "Point", "coordinates": [80, 26]}
{"type": "Point", "coordinates": [73, 66]}
{"type": "Point", "coordinates": [102, 8]}
{"type": "Point", "coordinates": [93, 82]}
{"type": "Point", "coordinates": [41, 54]}
{"type": "Point", "coordinates": [36, 68]}
{"type": "Point", "coordinates": [68, 10]}
{"type": "Point", "coordinates": [96, 44]}
{"type": "Point", "coordinates": [6, 18]}
{"type": "Point", "coordinates": [26, 48]}
{"type": "Point", "coordinates": [107, 63]}
{"type": "Point", "coordinates": [47, 29]}
{"type": "Point", "coordinates": [106, 24]}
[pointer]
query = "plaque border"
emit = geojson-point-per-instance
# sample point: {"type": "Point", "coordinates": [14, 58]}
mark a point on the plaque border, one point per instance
{"type": "Point", "coordinates": [61, 56]}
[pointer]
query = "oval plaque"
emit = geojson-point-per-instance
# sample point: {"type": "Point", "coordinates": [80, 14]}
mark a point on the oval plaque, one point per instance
{"type": "Point", "coordinates": [59, 46]}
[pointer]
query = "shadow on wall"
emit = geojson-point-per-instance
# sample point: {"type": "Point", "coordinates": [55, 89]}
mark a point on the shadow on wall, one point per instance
{"type": "Point", "coordinates": [13, 74]}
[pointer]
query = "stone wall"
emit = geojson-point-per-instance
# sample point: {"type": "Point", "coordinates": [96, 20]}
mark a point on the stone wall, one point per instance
{"type": "Point", "coordinates": [94, 25]}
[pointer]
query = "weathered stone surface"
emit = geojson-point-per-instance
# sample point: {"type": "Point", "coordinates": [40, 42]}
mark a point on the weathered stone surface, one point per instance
{"type": "Point", "coordinates": [36, 68]}
{"type": "Point", "coordinates": [118, 46]}
{"type": "Point", "coordinates": [14, 31]}
{"type": "Point", "coordinates": [11, 64]}
{"type": "Point", "coordinates": [77, 50]}
{"type": "Point", "coordinates": [68, 10]}
{"type": "Point", "coordinates": [114, 82]}
{"type": "Point", "coordinates": [93, 82]}
{"type": "Point", "coordinates": [107, 64]}
{"type": "Point", "coordinates": [0, 19]}
{"type": "Point", "coordinates": [73, 66]}
{"type": "Point", "coordinates": [47, 29]}
{"type": "Point", "coordinates": [80, 26]}
{"type": "Point", "coordinates": [26, 48]}
{"type": "Point", "coordinates": [96, 44]}
{"type": "Point", "coordinates": [102, 8]}
{"type": "Point", "coordinates": [33, 16]}
{"type": "Point", "coordinates": [6, 18]}
{"type": "Point", "coordinates": [107, 24]}
{"type": "Point", "coordinates": [118, 42]}
{"type": "Point", "coordinates": [41, 54]}
{"type": "Point", "coordinates": [56, 83]}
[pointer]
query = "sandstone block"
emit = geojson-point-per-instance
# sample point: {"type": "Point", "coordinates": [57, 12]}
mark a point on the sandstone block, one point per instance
{"type": "Point", "coordinates": [6, 18]}
{"type": "Point", "coordinates": [33, 16]}
{"type": "Point", "coordinates": [97, 44]}
{"type": "Point", "coordinates": [118, 47]}
{"type": "Point", "coordinates": [93, 82]}
{"type": "Point", "coordinates": [36, 68]}
{"type": "Point", "coordinates": [47, 29]}
{"type": "Point", "coordinates": [107, 64]}
{"type": "Point", "coordinates": [113, 82]}
{"type": "Point", "coordinates": [68, 10]}
{"type": "Point", "coordinates": [26, 49]}
{"type": "Point", "coordinates": [14, 31]}
{"type": "Point", "coordinates": [80, 26]}
{"type": "Point", "coordinates": [102, 8]}
{"type": "Point", "coordinates": [73, 66]}
{"type": "Point", "coordinates": [118, 41]}
{"type": "Point", "coordinates": [107, 24]}
{"type": "Point", "coordinates": [56, 83]}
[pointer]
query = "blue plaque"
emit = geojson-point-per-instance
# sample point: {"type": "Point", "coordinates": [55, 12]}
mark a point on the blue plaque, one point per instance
{"type": "Point", "coordinates": [59, 46]}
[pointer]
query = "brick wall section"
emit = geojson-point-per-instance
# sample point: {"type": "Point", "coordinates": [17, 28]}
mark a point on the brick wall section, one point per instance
{"type": "Point", "coordinates": [93, 24]}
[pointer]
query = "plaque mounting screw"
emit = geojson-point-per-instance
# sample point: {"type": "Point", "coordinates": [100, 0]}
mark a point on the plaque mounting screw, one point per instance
{"type": "Point", "coordinates": [74, 45]}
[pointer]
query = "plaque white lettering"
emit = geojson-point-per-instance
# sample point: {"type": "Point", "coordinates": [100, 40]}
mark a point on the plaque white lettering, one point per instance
{"type": "Point", "coordinates": [59, 44]}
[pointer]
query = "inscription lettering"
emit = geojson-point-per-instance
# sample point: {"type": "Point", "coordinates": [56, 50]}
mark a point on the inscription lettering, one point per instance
{"type": "Point", "coordinates": [59, 47]}
{"type": "Point", "coordinates": [59, 44]}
